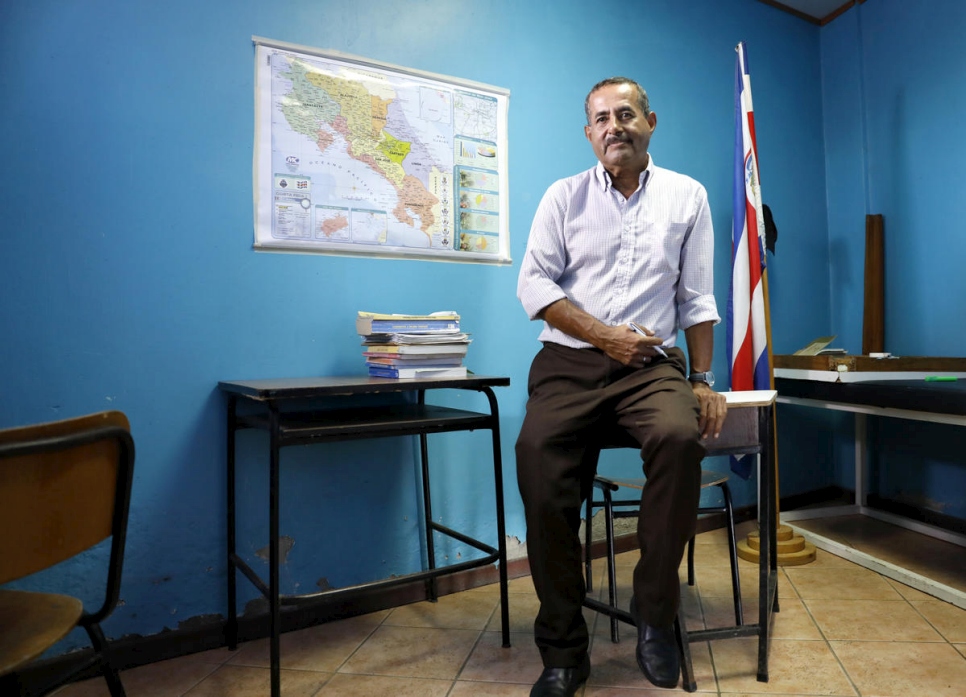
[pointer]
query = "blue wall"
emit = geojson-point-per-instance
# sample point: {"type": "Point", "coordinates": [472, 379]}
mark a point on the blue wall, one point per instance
{"type": "Point", "coordinates": [129, 279]}
{"type": "Point", "coordinates": [894, 92]}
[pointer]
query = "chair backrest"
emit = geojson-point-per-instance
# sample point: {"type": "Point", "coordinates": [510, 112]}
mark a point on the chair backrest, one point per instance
{"type": "Point", "coordinates": [64, 487]}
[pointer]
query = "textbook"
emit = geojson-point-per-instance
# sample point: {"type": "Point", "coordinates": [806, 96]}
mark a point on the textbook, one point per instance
{"type": "Point", "coordinates": [439, 322]}
{"type": "Point", "coordinates": [430, 337]}
{"type": "Point", "coordinates": [448, 349]}
{"type": "Point", "coordinates": [412, 361]}
{"type": "Point", "coordinates": [426, 372]}
{"type": "Point", "coordinates": [433, 315]}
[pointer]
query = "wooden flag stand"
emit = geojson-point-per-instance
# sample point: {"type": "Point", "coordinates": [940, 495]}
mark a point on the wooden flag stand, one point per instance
{"type": "Point", "coordinates": [793, 550]}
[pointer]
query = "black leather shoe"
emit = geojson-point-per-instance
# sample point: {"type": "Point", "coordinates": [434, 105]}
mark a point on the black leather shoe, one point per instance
{"type": "Point", "coordinates": [657, 652]}
{"type": "Point", "coordinates": [561, 682]}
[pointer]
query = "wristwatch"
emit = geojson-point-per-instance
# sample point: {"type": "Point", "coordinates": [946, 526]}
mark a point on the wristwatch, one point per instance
{"type": "Point", "coordinates": [707, 377]}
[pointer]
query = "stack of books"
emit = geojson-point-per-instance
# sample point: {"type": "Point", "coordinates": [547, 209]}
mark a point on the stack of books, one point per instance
{"type": "Point", "coordinates": [413, 346]}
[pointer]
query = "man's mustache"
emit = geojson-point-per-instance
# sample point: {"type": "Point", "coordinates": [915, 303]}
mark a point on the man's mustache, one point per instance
{"type": "Point", "coordinates": [621, 138]}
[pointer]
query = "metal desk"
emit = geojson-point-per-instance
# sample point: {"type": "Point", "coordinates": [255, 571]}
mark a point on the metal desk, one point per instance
{"type": "Point", "coordinates": [285, 409]}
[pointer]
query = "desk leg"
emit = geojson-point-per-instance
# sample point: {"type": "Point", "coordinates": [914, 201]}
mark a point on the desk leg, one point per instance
{"type": "Point", "coordinates": [500, 517]}
{"type": "Point", "coordinates": [768, 556]}
{"type": "Point", "coordinates": [861, 460]}
{"type": "Point", "coordinates": [231, 619]}
{"type": "Point", "coordinates": [273, 532]}
{"type": "Point", "coordinates": [432, 587]}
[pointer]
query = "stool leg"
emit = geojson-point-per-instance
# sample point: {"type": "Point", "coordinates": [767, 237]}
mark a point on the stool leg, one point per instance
{"type": "Point", "coordinates": [733, 550]}
{"type": "Point", "coordinates": [691, 561]}
{"type": "Point", "coordinates": [588, 539]}
{"type": "Point", "coordinates": [687, 670]}
{"type": "Point", "coordinates": [611, 564]}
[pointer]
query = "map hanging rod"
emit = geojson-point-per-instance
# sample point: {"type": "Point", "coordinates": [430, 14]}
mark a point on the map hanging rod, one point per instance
{"type": "Point", "coordinates": [330, 53]}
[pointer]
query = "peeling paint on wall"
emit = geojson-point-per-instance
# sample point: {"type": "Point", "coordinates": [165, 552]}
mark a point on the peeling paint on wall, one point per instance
{"type": "Point", "coordinates": [285, 544]}
{"type": "Point", "coordinates": [515, 548]}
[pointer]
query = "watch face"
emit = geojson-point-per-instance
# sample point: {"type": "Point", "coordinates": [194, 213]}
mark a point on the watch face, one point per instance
{"type": "Point", "coordinates": [706, 377]}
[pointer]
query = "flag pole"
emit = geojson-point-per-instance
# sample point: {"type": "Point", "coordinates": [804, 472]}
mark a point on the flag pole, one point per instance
{"type": "Point", "coordinates": [792, 548]}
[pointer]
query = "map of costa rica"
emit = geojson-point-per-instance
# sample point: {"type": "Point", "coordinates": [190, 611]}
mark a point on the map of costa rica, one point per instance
{"type": "Point", "coordinates": [363, 157]}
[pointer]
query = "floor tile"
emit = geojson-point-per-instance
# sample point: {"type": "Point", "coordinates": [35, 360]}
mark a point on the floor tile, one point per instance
{"type": "Point", "coordinates": [908, 592]}
{"type": "Point", "coordinates": [491, 662]}
{"type": "Point", "coordinates": [840, 584]}
{"type": "Point", "coordinates": [415, 652]}
{"type": "Point", "coordinates": [715, 581]}
{"type": "Point", "coordinates": [870, 620]}
{"type": "Point", "coordinates": [641, 691]}
{"type": "Point", "coordinates": [523, 610]}
{"type": "Point", "coordinates": [792, 622]}
{"type": "Point", "coordinates": [343, 685]}
{"type": "Point", "coordinates": [217, 656]}
{"type": "Point", "coordinates": [707, 555]}
{"type": "Point", "coordinates": [324, 647]}
{"type": "Point", "coordinates": [901, 669]}
{"type": "Point", "coordinates": [480, 689]}
{"type": "Point", "coordinates": [456, 611]}
{"type": "Point", "coordinates": [170, 678]}
{"type": "Point", "coordinates": [245, 681]}
{"type": "Point", "coordinates": [948, 619]}
{"type": "Point", "coordinates": [794, 668]}
{"type": "Point", "coordinates": [521, 584]}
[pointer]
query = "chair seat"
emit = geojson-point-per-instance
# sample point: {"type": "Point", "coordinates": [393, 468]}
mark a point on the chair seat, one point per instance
{"type": "Point", "coordinates": [32, 623]}
{"type": "Point", "coordinates": [708, 478]}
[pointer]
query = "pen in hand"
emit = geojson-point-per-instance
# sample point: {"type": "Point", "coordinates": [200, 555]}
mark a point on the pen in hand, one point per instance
{"type": "Point", "coordinates": [657, 349]}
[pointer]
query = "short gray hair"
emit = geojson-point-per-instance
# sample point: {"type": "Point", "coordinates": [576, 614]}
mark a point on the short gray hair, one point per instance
{"type": "Point", "coordinates": [642, 101]}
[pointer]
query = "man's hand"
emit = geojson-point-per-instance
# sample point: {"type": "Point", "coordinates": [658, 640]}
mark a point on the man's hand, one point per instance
{"type": "Point", "coordinates": [713, 407]}
{"type": "Point", "coordinates": [621, 343]}
{"type": "Point", "coordinates": [628, 347]}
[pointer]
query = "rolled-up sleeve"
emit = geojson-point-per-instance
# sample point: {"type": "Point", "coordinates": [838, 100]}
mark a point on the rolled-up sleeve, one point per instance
{"type": "Point", "coordinates": [546, 255]}
{"type": "Point", "coordinates": [695, 296]}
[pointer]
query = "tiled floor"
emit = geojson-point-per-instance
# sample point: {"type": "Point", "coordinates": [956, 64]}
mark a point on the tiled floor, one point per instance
{"type": "Point", "coordinates": [842, 630]}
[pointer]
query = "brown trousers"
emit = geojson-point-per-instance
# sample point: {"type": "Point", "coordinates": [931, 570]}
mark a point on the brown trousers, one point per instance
{"type": "Point", "coordinates": [575, 394]}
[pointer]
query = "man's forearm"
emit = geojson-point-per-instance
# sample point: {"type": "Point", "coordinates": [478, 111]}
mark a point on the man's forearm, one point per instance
{"type": "Point", "coordinates": [700, 339]}
{"type": "Point", "coordinates": [570, 319]}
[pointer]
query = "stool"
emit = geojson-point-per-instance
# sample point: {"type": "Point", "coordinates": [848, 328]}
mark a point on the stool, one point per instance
{"type": "Point", "coordinates": [608, 486]}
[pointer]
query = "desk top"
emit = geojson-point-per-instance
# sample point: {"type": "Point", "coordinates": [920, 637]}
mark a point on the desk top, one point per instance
{"type": "Point", "coordinates": [750, 398]}
{"type": "Point", "coordinates": [912, 395]}
{"type": "Point", "coordinates": [313, 387]}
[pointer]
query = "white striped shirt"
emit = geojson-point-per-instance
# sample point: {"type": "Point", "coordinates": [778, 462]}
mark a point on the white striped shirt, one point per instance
{"type": "Point", "coordinates": [647, 259]}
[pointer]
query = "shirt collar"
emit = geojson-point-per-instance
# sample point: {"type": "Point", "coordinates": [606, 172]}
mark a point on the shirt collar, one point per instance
{"type": "Point", "coordinates": [603, 177]}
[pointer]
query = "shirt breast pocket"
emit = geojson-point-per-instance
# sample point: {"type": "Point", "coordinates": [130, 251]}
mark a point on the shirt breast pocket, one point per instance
{"type": "Point", "coordinates": [667, 242]}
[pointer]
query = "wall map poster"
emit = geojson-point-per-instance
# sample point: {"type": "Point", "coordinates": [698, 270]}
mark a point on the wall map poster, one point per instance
{"type": "Point", "coordinates": [357, 157]}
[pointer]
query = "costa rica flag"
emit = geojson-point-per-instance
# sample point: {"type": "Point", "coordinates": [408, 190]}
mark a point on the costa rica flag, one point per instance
{"type": "Point", "coordinates": [747, 326]}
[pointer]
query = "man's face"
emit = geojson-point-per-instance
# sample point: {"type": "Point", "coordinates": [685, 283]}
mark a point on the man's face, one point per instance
{"type": "Point", "coordinates": [618, 130]}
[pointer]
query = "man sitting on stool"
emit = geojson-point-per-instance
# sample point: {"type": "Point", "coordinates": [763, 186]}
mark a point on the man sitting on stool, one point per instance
{"type": "Point", "coordinates": [619, 258]}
